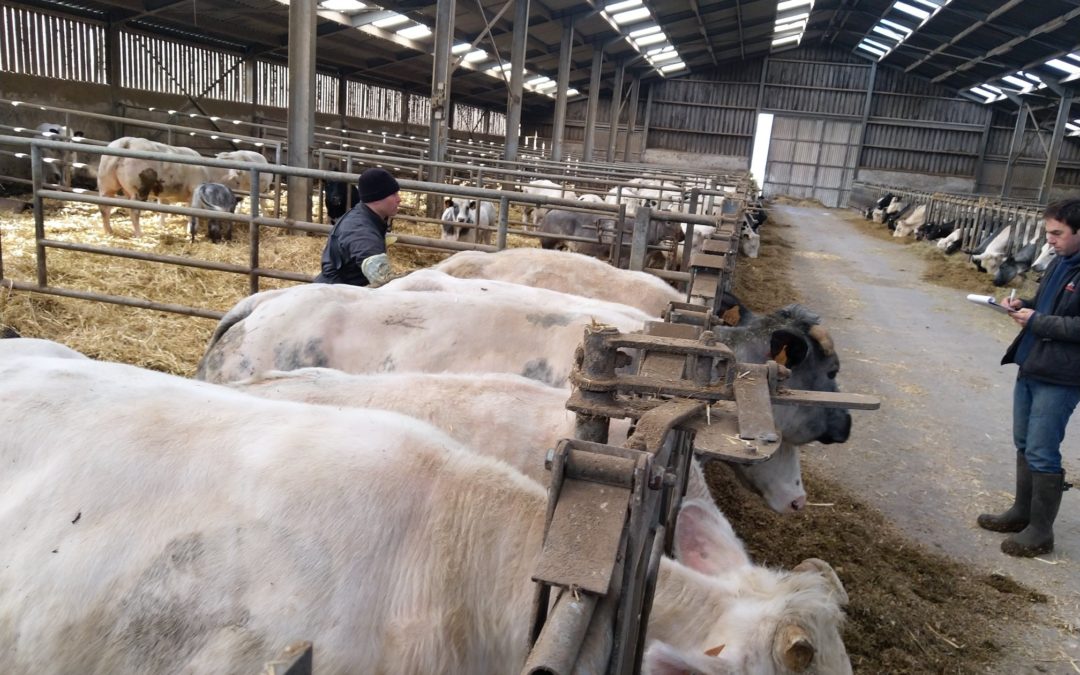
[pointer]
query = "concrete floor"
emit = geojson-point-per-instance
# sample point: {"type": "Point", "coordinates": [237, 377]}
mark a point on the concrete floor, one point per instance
{"type": "Point", "coordinates": [939, 451]}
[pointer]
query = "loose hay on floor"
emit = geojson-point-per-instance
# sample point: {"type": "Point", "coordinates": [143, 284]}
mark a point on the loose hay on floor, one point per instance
{"type": "Point", "coordinates": [151, 339]}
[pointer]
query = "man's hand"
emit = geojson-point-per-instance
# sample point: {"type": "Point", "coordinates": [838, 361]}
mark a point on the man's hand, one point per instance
{"type": "Point", "coordinates": [1011, 304]}
{"type": "Point", "coordinates": [1022, 316]}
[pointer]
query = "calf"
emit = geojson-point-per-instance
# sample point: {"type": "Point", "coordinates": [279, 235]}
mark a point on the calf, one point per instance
{"type": "Point", "coordinates": [269, 516]}
{"type": "Point", "coordinates": [467, 326]}
{"type": "Point", "coordinates": [951, 242]}
{"type": "Point", "coordinates": [144, 178]}
{"type": "Point", "coordinates": [460, 218]}
{"type": "Point", "coordinates": [215, 197]}
{"type": "Point", "coordinates": [879, 206]}
{"type": "Point", "coordinates": [565, 272]}
{"type": "Point", "coordinates": [339, 197]}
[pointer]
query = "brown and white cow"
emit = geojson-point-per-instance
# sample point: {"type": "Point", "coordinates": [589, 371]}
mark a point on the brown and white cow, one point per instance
{"type": "Point", "coordinates": [139, 543]}
{"type": "Point", "coordinates": [565, 272]}
{"type": "Point", "coordinates": [142, 179]}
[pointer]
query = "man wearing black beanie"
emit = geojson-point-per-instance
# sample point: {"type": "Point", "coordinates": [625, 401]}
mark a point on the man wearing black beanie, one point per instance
{"type": "Point", "coordinates": [355, 253]}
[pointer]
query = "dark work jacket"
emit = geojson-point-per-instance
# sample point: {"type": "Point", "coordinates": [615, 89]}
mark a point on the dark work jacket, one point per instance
{"type": "Point", "coordinates": [357, 235]}
{"type": "Point", "coordinates": [1055, 354]}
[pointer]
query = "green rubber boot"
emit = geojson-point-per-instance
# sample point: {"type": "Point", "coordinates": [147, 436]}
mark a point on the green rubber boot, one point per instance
{"type": "Point", "coordinates": [1038, 537]}
{"type": "Point", "coordinates": [1016, 517]}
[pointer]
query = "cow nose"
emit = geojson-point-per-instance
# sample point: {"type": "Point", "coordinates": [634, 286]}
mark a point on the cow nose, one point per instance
{"type": "Point", "coordinates": [799, 503]}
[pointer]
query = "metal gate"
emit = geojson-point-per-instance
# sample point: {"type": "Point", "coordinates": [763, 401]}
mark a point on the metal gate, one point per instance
{"type": "Point", "coordinates": [812, 159]}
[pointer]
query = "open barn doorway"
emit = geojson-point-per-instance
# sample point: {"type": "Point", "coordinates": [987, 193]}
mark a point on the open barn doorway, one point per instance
{"type": "Point", "coordinates": [812, 159]}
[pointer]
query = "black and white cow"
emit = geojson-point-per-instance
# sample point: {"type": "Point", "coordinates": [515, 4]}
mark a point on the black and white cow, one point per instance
{"type": "Point", "coordinates": [215, 197]}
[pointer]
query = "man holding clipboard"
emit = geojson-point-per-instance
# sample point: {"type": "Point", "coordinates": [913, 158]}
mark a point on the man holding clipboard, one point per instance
{"type": "Point", "coordinates": [1047, 388]}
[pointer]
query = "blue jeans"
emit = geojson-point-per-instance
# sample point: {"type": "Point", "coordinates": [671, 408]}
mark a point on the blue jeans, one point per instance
{"type": "Point", "coordinates": [1041, 412]}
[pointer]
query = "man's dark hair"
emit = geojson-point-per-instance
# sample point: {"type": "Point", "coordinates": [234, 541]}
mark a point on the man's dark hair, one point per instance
{"type": "Point", "coordinates": [1066, 211]}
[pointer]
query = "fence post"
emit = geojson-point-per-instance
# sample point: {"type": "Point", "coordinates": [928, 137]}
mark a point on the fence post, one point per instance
{"type": "Point", "coordinates": [37, 178]}
{"type": "Point", "coordinates": [255, 195]}
{"type": "Point", "coordinates": [504, 221]}
{"type": "Point", "coordinates": [640, 240]}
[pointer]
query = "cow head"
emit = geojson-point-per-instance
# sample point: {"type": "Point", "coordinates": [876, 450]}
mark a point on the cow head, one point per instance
{"type": "Point", "coordinates": [455, 211]}
{"type": "Point", "coordinates": [794, 337]}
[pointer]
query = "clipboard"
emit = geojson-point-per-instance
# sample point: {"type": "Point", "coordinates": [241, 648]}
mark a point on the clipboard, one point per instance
{"type": "Point", "coordinates": [988, 301]}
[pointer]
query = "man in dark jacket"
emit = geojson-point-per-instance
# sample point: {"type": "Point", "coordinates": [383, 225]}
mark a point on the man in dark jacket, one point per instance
{"type": "Point", "coordinates": [1047, 389]}
{"type": "Point", "coordinates": [355, 253]}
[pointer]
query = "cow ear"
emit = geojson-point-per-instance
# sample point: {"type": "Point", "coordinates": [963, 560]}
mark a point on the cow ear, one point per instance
{"type": "Point", "coordinates": [788, 348]}
{"type": "Point", "coordinates": [664, 659]}
{"type": "Point", "coordinates": [818, 566]}
{"type": "Point", "coordinates": [447, 203]}
{"type": "Point", "coordinates": [704, 540]}
{"type": "Point", "coordinates": [472, 204]}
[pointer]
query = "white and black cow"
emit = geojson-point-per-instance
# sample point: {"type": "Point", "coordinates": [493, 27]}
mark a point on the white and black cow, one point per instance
{"type": "Point", "coordinates": [544, 188]}
{"type": "Point", "coordinates": [460, 218]}
{"type": "Point", "coordinates": [214, 197]}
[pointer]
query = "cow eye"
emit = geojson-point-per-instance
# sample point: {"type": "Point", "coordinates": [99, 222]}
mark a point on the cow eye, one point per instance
{"type": "Point", "coordinates": [832, 374]}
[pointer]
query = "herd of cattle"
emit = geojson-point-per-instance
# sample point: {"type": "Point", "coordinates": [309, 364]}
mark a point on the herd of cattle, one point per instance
{"type": "Point", "coordinates": [989, 254]}
{"type": "Point", "coordinates": [365, 468]}
{"type": "Point", "coordinates": [464, 220]}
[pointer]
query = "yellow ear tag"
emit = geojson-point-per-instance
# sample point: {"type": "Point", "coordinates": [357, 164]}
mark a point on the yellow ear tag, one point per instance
{"type": "Point", "coordinates": [781, 358]}
{"type": "Point", "coordinates": [390, 239]}
{"type": "Point", "coordinates": [731, 316]}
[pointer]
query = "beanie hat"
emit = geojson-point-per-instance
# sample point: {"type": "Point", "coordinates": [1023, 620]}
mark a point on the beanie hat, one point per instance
{"type": "Point", "coordinates": [376, 184]}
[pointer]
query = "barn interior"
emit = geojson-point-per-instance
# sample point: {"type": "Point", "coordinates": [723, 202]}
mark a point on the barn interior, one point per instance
{"type": "Point", "coordinates": [960, 112]}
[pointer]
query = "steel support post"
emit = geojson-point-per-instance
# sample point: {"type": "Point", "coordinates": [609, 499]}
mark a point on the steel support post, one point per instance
{"type": "Point", "coordinates": [301, 114]}
{"type": "Point", "coordinates": [438, 128]}
{"type": "Point", "coordinates": [517, 78]}
{"type": "Point", "coordinates": [594, 101]}
{"type": "Point", "coordinates": [631, 122]}
{"type": "Point", "coordinates": [1054, 153]}
{"type": "Point", "coordinates": [1014, 147]}
{"type": "Point", "coordinates": [558, 133]}
{"type": "Point", "coordinates": [616, 105]}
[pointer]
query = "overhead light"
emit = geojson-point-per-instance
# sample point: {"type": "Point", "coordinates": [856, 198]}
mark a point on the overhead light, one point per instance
{"type": "Point", "coordinates": [415, 32]}
{"type": "Point", "coordinates": [648, 30]}
{"type": "Point", "coordinates": [672, 67]}
{"type": "Point", "coordinates": [460, 48]}
{"type": "Point", "coordinates": [920, 14]}
{"type": "Point", "coordinates": [664, 56]}
{"type": "Point", "coordinates": [866, 46]}
{"type": "Point", "coordinates": [631, 16]}
{"type": "Point", "coordinates": [342, 5]}
{"type": "Point", "coordinates": [898, 26]}
{"type": "Point", "coordinates": [786, 40]}
{"type": "Point", "coordinates": [651, 39]}
{"type": "Point", "coordinates": [621, 6]}
{"type": "Point", "coordinates": [476, 55]}
{"type": "Point", "coordinates": [889, 33]}
{"type": "Point", "coordinates": [792, 4]}
{"type": "Point", "coordinates": [390, 21]}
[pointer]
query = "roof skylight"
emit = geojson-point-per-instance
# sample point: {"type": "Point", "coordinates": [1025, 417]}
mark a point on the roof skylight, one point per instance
{"type": "Point", "coordinates": [899, 23]}
{"type": "Point", "coordinates": [637, 24]}
{"type": "Point", "coordinates": [791, 18]}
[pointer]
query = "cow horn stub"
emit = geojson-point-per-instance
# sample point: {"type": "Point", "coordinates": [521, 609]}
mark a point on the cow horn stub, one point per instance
{"type": "Point", "coordinates": [819, 333]}
{"type": "Point", "coordinates": [794, 647]}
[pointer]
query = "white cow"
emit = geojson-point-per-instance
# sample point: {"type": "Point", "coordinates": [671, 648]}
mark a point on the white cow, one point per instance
{"type": "Point", "coordinates": [509, 328]}
{"type": "Point", "coordinates": [20, 347]}
{"type": "Point", "coordinates": [240, 179]}
{"type": "Point", "coordinates": [142, 178]}
{"type": "Point", "coordinates": [545, 188]}
{"type": "Point", "coordinates": [991, 257]}
{"type": "Point", "coordinates": [138, 543]}
{"type": "Point", "coordinates": [566, 272]}
{"type": "Point", "coordinates": [906, 226]}
{"type": "Point", "coordinates": [471, 408]}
